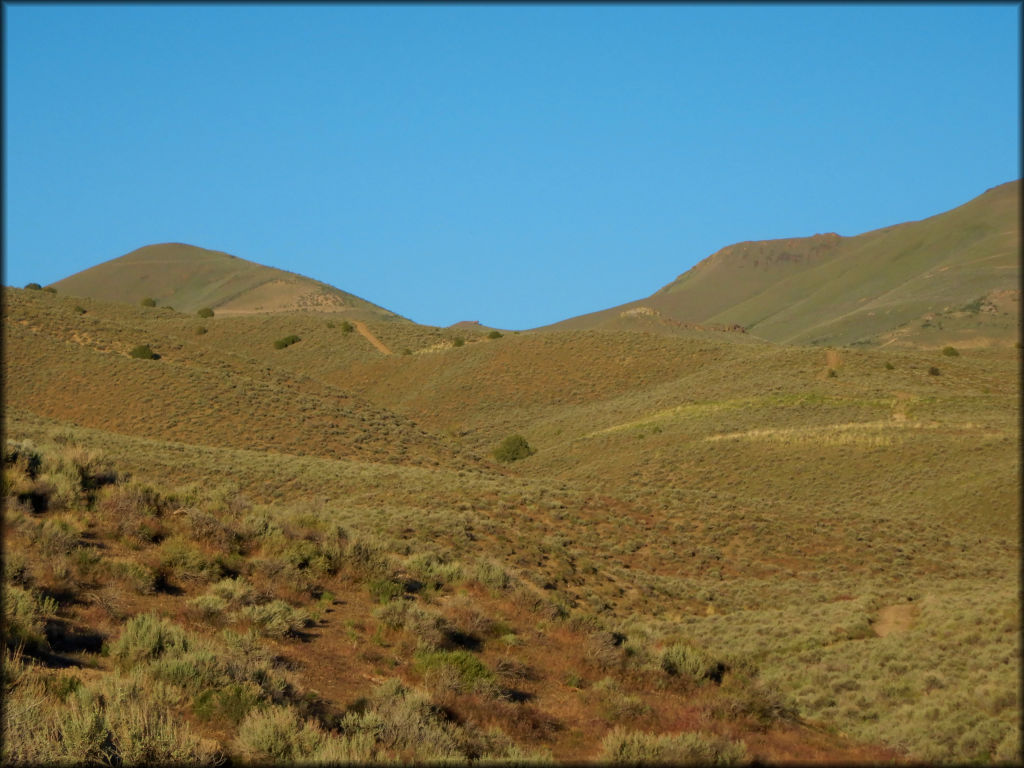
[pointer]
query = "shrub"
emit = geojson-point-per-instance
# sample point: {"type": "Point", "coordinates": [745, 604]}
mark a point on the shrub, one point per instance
{"type": "Point", "coordinates": [142, 732]}
{"type": "Point", "coordinates": [205, 312]}
{"type": "Point", "coordinates": [79, 309]}
{"type": "Point", "coordinates": [347, 327]}
{"type": "Point", "coordinates": [136, 576]}
{"type": "Point", "coordinates": [682, 660]}
{"type": "Point", "coordinates": [142, 352]}
{"type": "Point", "coordinates": [458, 671]}
{"type": "Point", "coordinates": [889, 366]}
{"type": "Point", "coordinates": [276, 619]}
{"type": "Point", "coordinates": [33, 287]}
{"type": "Point", "coordinates": [279, 734]}
{"type": "Point", "coordinates": [933, 371]}
{"type": "Point", "coordinates": [25, 615]}
{"type": "Point", "coordinates": [406, 351]}
{"type": "Point", "coordinates": [232, 702]}
{"type": "Point", "coordinates": [200, 330]}
{"type": "Point", "coordinates": [148, 302]}
{"type": "Point", "coordinates": [615, 703]}
{"type": "Point", "coordinates": [832, 373]}
{"type": "Point", "coordinates": [494, 335]}
{"type": "Point", "coordinates": [287, 341]}
{"type": "Point", "coordinates": [621, 747]}
{"type": "Point", "coordinates": [187, 563]}
{"type": "Point", "coordinates": [513, 448]}
{"type": "Point", "coordinates": [49, 289]}
{"type": "Point", "coordinates": [491, 575]}
{"type": "Point", "coordinates": [950, 352]}
{"type": "Point", "coordinates": [458, 341]}
{"type": "Point", "coordinates": [148, 636]}
{"type": "Point", "coordinates": [385, 590]}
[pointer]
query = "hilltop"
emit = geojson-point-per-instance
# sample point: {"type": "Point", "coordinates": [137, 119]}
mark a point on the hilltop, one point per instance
{"type": "Point", "coordinates": [948, 279]}
{"type": "Point", "coordinates": [189, 278]}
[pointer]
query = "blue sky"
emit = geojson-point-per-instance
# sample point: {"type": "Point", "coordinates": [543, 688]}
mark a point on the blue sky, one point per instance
{"type": "Point", "coordinates": [512, 164]}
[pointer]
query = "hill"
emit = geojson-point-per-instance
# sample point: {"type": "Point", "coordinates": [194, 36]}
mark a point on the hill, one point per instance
{"type": "Point", "coordinates": [949, 279]}
{"type": "Point", "coordinates": [188, 278]}
{"type": "Point", "coordinates": [723, 549]}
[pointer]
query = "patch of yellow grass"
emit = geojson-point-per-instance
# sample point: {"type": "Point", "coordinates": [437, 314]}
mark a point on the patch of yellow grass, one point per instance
{"type": "Point", "coordinates": [871, 433]}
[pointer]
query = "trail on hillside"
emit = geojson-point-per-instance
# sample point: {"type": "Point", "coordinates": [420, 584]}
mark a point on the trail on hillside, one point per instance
{"type": "Point", "coordinates": [368, 335]}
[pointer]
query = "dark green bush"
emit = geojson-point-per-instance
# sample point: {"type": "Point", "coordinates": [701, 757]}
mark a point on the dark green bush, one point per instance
{"type": "Point", "coordinates": [33, 287]}
{"type": "Point", "coordinates": [287, 341]}
{"type": "Point", "coordinates": [385, 590]}
{"type": "Point", "coordinates": [347, 327]}
{"type": "Point", "coordinates": [458, 341]}
{"type": "Point", "coordinates": [200, 330]}
{"type": "Point", "coordinates": [950, 352]}
{"type": "Point", "coordinates": [889, 366]}
{"type": "Point", "coordinates": [205, 312]}
{"type": "Point", "coordinates": [79, 309]}
{"type": "Point", "coordinates": [143, 352]}
{"type": "Point", "coordinates": [513, 448]}
{"type": "Point", "coordinates": [494, 335]}
{"type": "Point", "coordinates": [933, 371]}
{"type": "Point", "coordinates": [148, 302]}
{"type": "Point", "coordinates": [832, 373]}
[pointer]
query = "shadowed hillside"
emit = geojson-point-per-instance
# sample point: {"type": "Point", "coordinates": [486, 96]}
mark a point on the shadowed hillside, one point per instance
{"type": "Point", "coordinates": [951, 278]}
{"type": "Point", "coordinates": [189, 278]}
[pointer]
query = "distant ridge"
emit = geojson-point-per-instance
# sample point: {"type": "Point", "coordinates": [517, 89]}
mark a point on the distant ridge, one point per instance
{"type": "Point", "coordinates": [954, 276]}
{"type": "Point", "coordinates": [189, 278]}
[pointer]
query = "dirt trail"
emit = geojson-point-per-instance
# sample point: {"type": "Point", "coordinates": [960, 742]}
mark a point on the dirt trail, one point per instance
{"type": "Point", "coordinates": [361, 327]}
{"type": "Point", "coordinates": [895, 618]}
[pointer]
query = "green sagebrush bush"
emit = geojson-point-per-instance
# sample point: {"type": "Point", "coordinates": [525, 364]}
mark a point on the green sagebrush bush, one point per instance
{"type": "Point", "coordinates": [148, 302]}
{"type": "Point", "coordinates": [687, 661]}
{"type": "Point", "coordinates": [142, 352]}
{"type": "Point", "coordinates": [287, 341]}
{"type": "Point", "coordinates": [513, 448]}
{"type": "Point", "coordinates": [205, 312]}
{"type": "Point", "coordinates": [622, 747]}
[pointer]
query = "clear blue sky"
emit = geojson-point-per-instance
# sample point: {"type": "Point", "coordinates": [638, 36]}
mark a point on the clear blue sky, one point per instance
{"type": "Point", "coordinates": [513, 164]}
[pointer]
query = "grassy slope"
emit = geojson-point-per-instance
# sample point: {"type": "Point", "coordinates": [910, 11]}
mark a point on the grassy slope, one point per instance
{"type": "Point", "coordinates": [707, 486]}
{"type": "Point", "coordinates": [828, 289]}
{"type": "Point", "coordinates": [189, 278]}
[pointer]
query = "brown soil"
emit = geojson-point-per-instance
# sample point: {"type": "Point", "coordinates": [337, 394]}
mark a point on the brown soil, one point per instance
{"type": "Point", "coordinates": [895, 618]}
{"type": "Point", "coordinates": [361, 327]}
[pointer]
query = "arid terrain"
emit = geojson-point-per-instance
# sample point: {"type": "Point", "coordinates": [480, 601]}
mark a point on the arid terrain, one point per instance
{"type": "Point", "coordinates": [252, 518]}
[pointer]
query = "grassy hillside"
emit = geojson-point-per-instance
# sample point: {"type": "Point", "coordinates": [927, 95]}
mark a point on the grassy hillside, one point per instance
{"type": "Point", "coordinates": [951, 278]}
{"type": "Point", "coordinates": [722, 549]}
{"type": "Point", "coordinates": [188, 278]}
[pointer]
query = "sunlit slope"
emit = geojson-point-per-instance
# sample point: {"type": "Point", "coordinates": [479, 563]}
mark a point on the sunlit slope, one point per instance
{"type": "Point", "coordinates": [69, 359]}
{"type": "Point", "coordinates": [951, 278]}
{"type": "Point", "coordinates": [189, 278]}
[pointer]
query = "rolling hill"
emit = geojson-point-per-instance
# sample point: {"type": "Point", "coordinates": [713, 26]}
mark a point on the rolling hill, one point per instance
{"type": "Point", "coordinates": [950, 278]}
{"type": "Point", "coordinates": [190, 278]}
{"type": "Point", "coordinates": [278, 536]}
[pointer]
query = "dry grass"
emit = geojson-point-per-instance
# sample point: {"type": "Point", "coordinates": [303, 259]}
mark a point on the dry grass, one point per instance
{"type": "Point", "coordinates": [686, 492]}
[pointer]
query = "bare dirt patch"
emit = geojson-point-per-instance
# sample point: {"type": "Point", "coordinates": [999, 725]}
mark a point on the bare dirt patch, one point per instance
{"type": "Point", "coordinates": [368, 335]}
{"type": "Point", "coordinates": [895, 619]}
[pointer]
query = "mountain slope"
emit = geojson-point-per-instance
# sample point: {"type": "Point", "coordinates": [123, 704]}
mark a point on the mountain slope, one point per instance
{"type": "Point", "coordinates": [953, 277]}
{"type": "Point", "coordinates": [189, 278]}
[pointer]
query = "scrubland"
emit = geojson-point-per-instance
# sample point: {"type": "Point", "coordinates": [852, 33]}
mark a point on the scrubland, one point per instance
{"type": "Point", "coordinates": [718, 551]}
